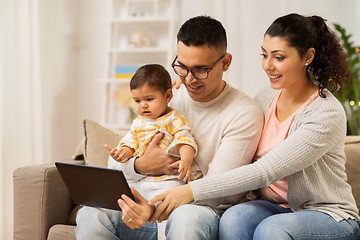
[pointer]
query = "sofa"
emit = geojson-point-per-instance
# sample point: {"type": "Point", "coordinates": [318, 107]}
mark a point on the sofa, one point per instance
{"type": "Point", "coordinates": [43, 208]}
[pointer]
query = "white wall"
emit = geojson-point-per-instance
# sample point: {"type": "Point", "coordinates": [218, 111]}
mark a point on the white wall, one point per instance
{"type": "Point", "coordinates": [246, 22]}
{"type": "Point", "coordinates": [74, 38]}
{"type": "Point", "coordinates": [56, 92]}
{"type": "Point", "coordinates": [74, 42]}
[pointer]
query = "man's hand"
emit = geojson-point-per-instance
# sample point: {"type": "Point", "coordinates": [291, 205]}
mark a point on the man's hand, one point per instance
{"type": "Point", "coordinates": [155, 161]}
{"type": "Point", "coordinates": [135, 214]}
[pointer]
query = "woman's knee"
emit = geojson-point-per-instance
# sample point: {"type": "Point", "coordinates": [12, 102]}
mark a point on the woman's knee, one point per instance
{"type": "Point", "coordinates": [243, 214]}
{"type": "Point", "coordinates": [273, 227]}
{"type": "Point", "coordinates": [238, 222]}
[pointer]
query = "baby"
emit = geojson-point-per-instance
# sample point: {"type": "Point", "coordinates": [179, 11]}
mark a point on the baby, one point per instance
{"type": "Point", "coordinates": [151, 89]}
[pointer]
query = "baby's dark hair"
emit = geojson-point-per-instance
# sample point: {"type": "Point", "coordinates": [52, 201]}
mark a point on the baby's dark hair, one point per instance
{"type": "Point", "coordinates": [329, 68]}
{"type": "Point", "coordinates": [154, 75]}
{"type": "Point", "coordinates": [201, 30]}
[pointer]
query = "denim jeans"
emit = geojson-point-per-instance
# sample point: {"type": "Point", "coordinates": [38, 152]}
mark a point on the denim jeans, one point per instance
{"type": "Point", "coordinates": [192, 222]}
{"type": "Point", "coordinates": [185, 222]}
{"type": "Point", "coordinates": [260, 220]}
{"type": "Point", "coordinates": [105, 224]}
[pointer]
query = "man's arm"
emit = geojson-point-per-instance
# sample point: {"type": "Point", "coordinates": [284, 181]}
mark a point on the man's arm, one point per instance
{"type": "Point", "coordinates": [154, 162]}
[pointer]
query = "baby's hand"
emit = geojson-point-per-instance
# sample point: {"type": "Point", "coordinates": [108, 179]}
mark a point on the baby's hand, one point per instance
{"type": "Point", "coordinates": [185, 170]}
{"type": "Point", "coordinates": [176, 83]}
{"type": "Point", "coordinates": [121, 155]}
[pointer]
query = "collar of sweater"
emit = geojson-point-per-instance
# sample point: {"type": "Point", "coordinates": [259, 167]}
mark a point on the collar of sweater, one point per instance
{"type": "Point", "coordinates": [224, 92]}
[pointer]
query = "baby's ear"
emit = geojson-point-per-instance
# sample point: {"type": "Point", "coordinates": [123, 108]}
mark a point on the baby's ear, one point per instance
{"type": "Point", "coordinates": [168, 95]}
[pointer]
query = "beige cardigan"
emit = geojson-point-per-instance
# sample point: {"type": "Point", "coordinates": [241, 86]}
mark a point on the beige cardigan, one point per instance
{"type": "Point", "coordinates": [312, 157]}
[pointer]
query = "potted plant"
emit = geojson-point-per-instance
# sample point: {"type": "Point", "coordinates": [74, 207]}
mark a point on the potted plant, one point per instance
{"type": "Point", "coordinates": [350, 96]}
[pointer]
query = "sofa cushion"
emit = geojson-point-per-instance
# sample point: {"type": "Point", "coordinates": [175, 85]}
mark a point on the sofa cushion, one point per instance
{"type": "Point", "coordinates": [91, 148]}
{"type": "Point", "coordinates": [352, 151]}
{"type": "Point", "coordinates": [61, 232]}
{"type": "Point", "coordinates": [96, 136]}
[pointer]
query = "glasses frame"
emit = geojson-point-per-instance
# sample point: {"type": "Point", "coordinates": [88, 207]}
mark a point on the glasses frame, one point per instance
{"type": "Point", "coordinates": [208, 69]}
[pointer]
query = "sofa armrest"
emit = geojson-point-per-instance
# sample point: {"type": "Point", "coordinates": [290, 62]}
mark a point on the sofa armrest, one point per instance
{"type": "Point", "coordinates": [40, 200]}
{"type": "Point", "coordinates": [352, 151]}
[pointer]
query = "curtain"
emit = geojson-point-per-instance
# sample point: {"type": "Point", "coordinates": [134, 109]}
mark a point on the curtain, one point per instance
{"type": "Point", "coordinates": [21, 98]}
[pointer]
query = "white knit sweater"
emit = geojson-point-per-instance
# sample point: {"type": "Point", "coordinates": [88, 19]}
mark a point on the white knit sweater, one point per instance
{"type": "Point", "coordinates": [312, 156]}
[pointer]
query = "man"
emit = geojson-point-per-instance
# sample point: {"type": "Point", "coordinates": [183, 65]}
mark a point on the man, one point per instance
{"type": "Point", "coordinates": [225, 122]}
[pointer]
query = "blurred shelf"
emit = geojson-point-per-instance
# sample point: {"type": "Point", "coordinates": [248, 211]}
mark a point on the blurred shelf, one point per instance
{"type": "Point", "coordinates": [141, 32]}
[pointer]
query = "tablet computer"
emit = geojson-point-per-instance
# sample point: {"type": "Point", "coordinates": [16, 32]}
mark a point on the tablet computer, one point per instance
{"type": "Point", "coordinates": [94, 186]}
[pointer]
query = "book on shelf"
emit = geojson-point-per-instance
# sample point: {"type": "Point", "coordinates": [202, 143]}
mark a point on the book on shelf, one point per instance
{"type": "Point", "coordinates": [125, 71]}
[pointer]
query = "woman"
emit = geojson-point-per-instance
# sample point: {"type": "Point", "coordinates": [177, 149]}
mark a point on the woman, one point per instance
{"type": "Point", "coordinates": [300, 162]}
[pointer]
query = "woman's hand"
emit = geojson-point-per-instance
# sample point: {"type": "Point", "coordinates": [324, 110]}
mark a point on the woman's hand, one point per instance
{"type": "Point", "coordinates": [169, 200]}
{"type": "Point", "coordinates": [135, 214]}
{"type": "Point", "coordinates": [155, 161]}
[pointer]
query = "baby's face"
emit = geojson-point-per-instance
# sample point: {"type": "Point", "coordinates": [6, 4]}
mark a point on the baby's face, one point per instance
{"type": "Point", "coordinates": [150, 101]}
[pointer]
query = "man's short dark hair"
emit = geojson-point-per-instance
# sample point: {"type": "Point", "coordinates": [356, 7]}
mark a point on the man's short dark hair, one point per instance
{"type": "Point", "coordinates": [201, 30]}
{"type": "Point", "coordinates": [154, 75]}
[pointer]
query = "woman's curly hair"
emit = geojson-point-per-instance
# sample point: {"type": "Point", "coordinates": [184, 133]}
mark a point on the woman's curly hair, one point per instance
{"type": "Point", "coordinates": [329, 68]}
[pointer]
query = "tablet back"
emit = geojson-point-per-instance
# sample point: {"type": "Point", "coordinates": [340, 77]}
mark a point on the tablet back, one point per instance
{"type": "Point", "coordinates": [94, 186]}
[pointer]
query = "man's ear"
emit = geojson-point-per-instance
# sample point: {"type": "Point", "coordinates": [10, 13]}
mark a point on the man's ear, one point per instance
{"type": "Point", "coordinates": [168, 95]}
{"type": "Point", "coordinates": [226, 62]}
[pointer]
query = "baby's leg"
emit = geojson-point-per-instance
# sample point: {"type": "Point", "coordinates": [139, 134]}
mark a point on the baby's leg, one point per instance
{"type": "Point", "coordinates": [151, 189]}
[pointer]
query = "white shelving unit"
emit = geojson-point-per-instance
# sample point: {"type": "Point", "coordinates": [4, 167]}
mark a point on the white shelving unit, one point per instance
{"type": "Point", "coordinates": [142, 32]}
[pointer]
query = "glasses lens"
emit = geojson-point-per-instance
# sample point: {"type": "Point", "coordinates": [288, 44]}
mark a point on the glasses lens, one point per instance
{"type": "Point", "coordinates": [181, 71]}
{"type": "Point", "coordinates": [200, 73]}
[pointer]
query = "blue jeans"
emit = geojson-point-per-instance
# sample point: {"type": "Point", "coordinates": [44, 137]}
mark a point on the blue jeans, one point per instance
{"type": "Point", "coordinates": [192, 222]}
{"type": "Point", "coordinates": [260, 220]}
{"type": "Point", "coordinates": [186, 222]}
{"type": "Point", "coordinates": [106, 224]}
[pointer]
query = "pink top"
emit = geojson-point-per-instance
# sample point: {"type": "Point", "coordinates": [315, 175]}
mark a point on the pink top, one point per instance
{"type": "Point", "coordinates": [275, 132]}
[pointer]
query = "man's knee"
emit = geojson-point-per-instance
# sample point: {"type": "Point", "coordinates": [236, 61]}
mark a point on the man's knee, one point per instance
{"type": "Point", "coordinates": [86, 214]}
{"type": "Point", "coordinates": [92, 222]}
{"type": "Point", "coordinates": [190, 214]}
{"type": "Point", "coordinates": [200, 222]}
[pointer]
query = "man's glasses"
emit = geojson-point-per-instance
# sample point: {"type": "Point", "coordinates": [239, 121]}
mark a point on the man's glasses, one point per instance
{"type": "Point", "coordinates": [197, 72]}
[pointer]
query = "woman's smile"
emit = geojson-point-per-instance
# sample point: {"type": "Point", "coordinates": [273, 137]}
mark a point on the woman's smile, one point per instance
{"type": "Point", "coordinates": [274, 78]}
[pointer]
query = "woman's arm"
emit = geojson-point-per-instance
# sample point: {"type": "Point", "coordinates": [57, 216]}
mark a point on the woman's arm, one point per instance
{"type": "Point", "coordinates": [315, 135]}
{"type": "Point", "coordinates": [316, 131]}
